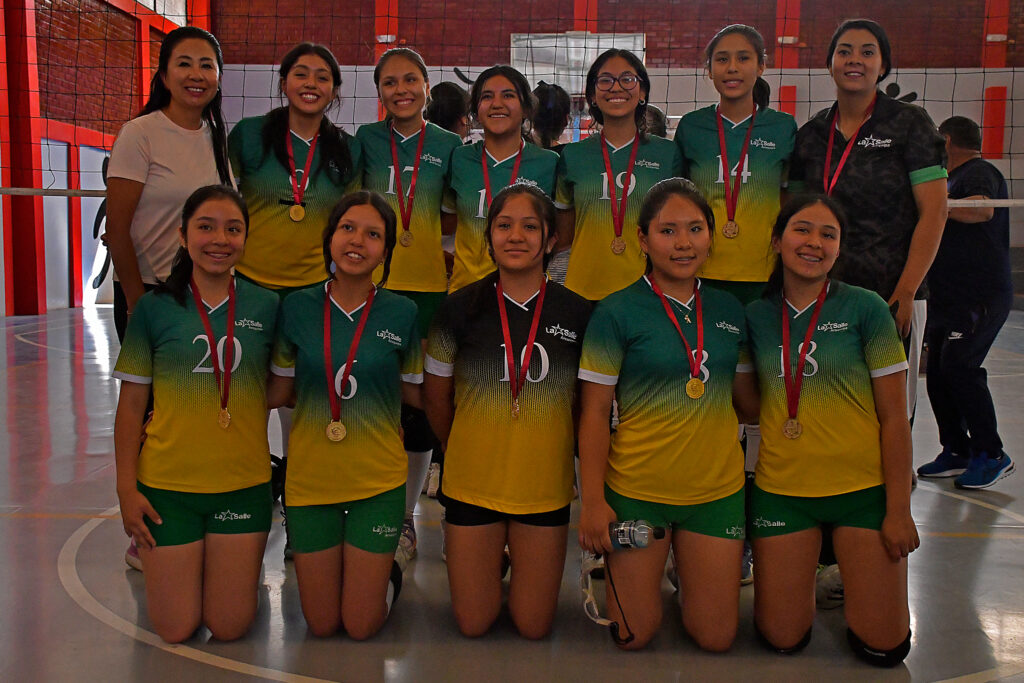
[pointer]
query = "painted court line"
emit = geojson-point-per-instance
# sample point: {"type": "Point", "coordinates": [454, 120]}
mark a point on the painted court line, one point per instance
{"type": "Point", "coordinates": [73, 585]}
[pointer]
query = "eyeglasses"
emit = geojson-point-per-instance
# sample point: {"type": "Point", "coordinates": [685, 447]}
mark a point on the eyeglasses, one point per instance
{"type": "Point", "coordinates": [627, 80]}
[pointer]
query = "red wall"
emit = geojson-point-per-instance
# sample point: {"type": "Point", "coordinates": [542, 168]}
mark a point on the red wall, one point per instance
{"type": "Point", "coordinates": [86, 71]}
{"type": "Point", "coordinates": [456, 32]}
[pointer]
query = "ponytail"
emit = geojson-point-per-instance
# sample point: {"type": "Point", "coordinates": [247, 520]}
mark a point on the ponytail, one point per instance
{"type": "Point", "coordinates": [177, 283]}
{"type": "Point", "coordinates": [762, 93]}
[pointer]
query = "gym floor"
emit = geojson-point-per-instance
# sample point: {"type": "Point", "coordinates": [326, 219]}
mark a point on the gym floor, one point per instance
{"type": "Point", "coordinates": [72, 610]}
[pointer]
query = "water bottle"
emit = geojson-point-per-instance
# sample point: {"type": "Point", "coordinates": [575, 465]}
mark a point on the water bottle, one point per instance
{"type": "Point", "coordinates": [635, 533]}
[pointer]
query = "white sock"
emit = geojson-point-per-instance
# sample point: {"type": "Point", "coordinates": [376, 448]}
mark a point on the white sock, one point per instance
{"type": "Point", "coordinates": [389, 598]}
{"type": "Point", "coordinates": [419, 463]}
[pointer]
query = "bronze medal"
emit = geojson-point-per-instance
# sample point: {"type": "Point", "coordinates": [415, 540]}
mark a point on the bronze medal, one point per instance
{"type": "Point", "coordinates": [730, 230]}
{"type": "Point", "coordinates": [406, 239]}
{"type": "Point", "coordinates": [792, 428]}
{"type": "Point", "coordinates": [296, 212]}
{"type": "Point", "coordinates": [694, 388]}
{"type": "Point", "coordinates": [336, 431]}
{"type": "Point", "coordinates": [224, 418]}
{"type": "Point", "coordinates": [618, 245]}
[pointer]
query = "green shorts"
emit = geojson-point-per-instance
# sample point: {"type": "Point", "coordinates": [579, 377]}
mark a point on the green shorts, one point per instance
{"type": "Point", "coordinates": [744, 291]}
{"type": "Point", "coordinates": [372, 524]}
{"type": "Point", "coordinates": [427, 304]}
{"type": "Point", "coordinates": [722, 518]}
{"type": "Point", "coordinates": [188, 517]}
{"type": "Point", "coordinates": [774, 514]}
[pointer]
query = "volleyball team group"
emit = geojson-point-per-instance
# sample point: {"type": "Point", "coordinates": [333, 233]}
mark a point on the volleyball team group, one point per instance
{"type": "Point", "coordinates": [700, 313]}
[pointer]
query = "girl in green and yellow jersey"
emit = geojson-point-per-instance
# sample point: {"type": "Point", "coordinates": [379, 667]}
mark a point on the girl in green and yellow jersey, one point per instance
{"type": "Point", "coordinates": [500, 389]}
{"type": "Point", "coordinates": [502, 103]}
{"type": "Point", "coordinates": [669, 349]}
{"type": "Point", "coordinates": [406, 161]}
{"type": "Point", "coordinates": [601, 180]}
{"type": "Point", "coordinates": [196, 499]}
{"type": "Point", "coordinates": [835, 444]}
{"type": "Point", "coordinates": [349, 351]}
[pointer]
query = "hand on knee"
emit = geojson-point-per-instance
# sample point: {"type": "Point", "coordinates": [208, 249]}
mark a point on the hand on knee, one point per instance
{"type": "Point", "coordinates": [876, 657]}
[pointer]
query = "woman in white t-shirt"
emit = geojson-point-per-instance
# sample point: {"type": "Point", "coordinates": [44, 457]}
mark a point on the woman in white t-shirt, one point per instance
{"type": "Point", "coordinates": [173, 147]}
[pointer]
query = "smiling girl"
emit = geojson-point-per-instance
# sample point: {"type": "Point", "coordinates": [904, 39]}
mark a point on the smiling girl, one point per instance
{"type": "Point", "coordinates": [601, 179]}
{"type": "Point", "coordinates": [501, 370]}
{"type": "Point", "coordinates": [406, 162]}
{"type": "Point", "coordinates": [835, 444]}
{"type": "Point", "coordinates": [197, 498]}
{"type": "Point", "coordinates": [668, 349]}
{"type": "Point", "coordinates": [350, 353]}
{"type": "Point", "coordinates": [503, 105]}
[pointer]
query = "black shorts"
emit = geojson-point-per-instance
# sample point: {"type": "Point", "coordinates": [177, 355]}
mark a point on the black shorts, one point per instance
{"type": "Point", "coordinates": [463, 514]}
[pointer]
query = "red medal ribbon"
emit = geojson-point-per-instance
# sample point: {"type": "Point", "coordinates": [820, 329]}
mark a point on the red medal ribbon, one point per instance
{"type": "Point", "coordinates": [487, 177]}
{"type": "Point", "coordinates": [298, 192]}
{"type": "Point", "coordinates": [691, 358]}
{"type": "Point", "coordinates": [732, 194]}
{"type": "Point", "coordinates": [827, 185]}
{"type": "Point", "coordinates": [229, 342]}
{"type": "Point", "coordinates": [334, 394]}
{"type": "Point", "coordinates": [518, 380]}
{"type": "Point", "coordinates": [793, 384]}
{"type": "Point", "coordinates": [405, 209]}
{"type": "Point", "coordinates": [619, 212]}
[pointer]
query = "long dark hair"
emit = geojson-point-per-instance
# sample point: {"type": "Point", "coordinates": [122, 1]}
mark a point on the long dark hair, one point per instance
{"type": "Point", "coordinates": [553, 109]}
{"type": "Point", "coordinates": [762, 91]}
{"type": "Point", "coordinates": [335, 156]}
{"type": "Point", "coordinates": [791, 208]}
{"type": "Point", "coordinates": [160, 96]}
{"type": "Point", "coordinates": [542, 204]}
{"type": "Point", "coordinates": [518, 81]}
{"type": "Point", "coordinates": [640, 114]}
{"type": "Point", "coordinates": [177, 282]}
{"type": "Point", "coordinates": [659, 194]}
{"type": "Point", "coordinates": [363, 198]}
{"type": "Point", "coordinates": [875, 29]}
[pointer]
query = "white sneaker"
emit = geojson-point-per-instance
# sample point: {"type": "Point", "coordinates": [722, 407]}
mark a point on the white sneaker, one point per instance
{"type": "Point", "coordinates": [828, 587]}
{"type": "Point", "coordinates": [433, 482]}
{"type": "Point", "coordinates": [131, 556]}
{"type": "Point", "coordinates": [406, 545]}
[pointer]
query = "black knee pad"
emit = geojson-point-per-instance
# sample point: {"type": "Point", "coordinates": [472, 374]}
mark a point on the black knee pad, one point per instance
{"type": "Point", "coordinates": [418, 436]}
{"type": "Point", "coordinates": [881, 658]}
{"type": "Point", "coordinates": [784, 650]}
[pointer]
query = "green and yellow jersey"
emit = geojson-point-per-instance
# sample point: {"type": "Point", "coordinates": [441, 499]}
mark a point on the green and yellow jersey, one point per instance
{"type": "Point", "coordinates": [748, 257]}
{"type": "Point", "coordinates": [280, 252]}
{"type": "Point", "coordinates": [370, 459]}
{"type": "Point", "coordinates": [669, 448]}
{"type": "Point", "coordinates": [594, 271]}
{"type": "Point", "coordinates": [166, 346]}
{"type": "Point", "coordinates": [420, 266]}
{"type": "Point", "coordinates": [855, 340]}
{"type": "Point", "coordinates": [467, 198]}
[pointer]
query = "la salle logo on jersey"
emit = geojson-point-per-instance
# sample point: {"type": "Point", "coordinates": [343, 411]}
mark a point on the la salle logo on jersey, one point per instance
{"type": "Point", "coordinates": [560, 332]}
{"type": "Point", "coordinates": [871, 142]}
{"type": "Point", "coordinates": [389, 336]}
{"type": "Point", "coordinates": [644, 163]}
{"type": "Point", "coordinates": [728, 327]}
{"type": "Point", "coordinates": [431, 159]}
{"type": "Point", "coordinates": [832, 326]}
{"type": "Point", "coordinates": [254, 325]}
{"type": "Point", "coordinates": [761, 143]}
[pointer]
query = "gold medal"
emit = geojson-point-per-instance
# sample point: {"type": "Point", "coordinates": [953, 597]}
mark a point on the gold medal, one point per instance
{"type": "Point", "coordinates": [695, 388]}
{"type": "Point", "coordinates": [224, 418]}
{"type": "Point", "coordinates": [618, 245]}
{"type": "Point", "coordinates": [515, 408]}
{"type": "Point", "coordinates": [296, 212]}
{"type": "Point", "coordinates": [730, 229]}
{"type": "Point", "coordinates": [336, 431]}
{"type": "Point", "coordinates": [406, 239]}
{"type": "Point", "coordinates": [792, 428]}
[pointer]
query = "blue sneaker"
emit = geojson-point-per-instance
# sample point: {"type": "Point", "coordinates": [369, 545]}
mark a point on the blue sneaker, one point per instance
{"type": "Point", "coordinates": [984, 471]}
{"type": "Point", "coordinates": [947, 464]}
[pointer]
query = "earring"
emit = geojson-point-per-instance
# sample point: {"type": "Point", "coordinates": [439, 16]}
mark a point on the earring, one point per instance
{"type": "Point", "coordinates": [642, 101]}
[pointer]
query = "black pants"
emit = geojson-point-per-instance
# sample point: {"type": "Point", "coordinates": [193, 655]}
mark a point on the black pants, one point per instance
{"type": "Point", "coordinates": [958, 341]}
